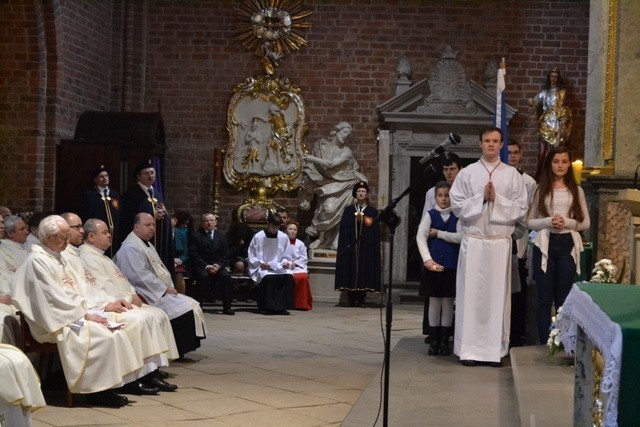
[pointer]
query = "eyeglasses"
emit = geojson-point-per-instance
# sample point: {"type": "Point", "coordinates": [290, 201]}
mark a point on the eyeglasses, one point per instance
{"type": "Point", "coordinates": [64, 238]}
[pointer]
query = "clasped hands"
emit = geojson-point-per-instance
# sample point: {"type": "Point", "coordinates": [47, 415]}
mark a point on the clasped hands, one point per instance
{"type": "Point", "coordinates": [213, 268]}
{"type": "Point", "coordinates": [286, 265]}
{"type": "Point", "coordinates": [489, 192]}
{"type": "Point", "coordinates": [557, 222]}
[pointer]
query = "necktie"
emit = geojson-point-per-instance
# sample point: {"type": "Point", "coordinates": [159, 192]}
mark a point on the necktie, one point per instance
{"type": "Point", "coordinates": [211, 236]}
{"type": "Point", "coordinates": [106, 193]}
{"type": "Point", "coordinates": [150, 191]}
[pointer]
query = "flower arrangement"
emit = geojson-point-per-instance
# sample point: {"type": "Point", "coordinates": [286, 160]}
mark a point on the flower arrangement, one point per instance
{"type": "Point", "coordinates": [554, 342]}
{"type": "Point", "coordinates": [605, 271]}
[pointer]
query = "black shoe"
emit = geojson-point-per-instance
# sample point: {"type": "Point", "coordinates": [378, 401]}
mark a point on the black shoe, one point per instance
{"type": "Point", "coordinates": [468, 362]}
{"type": "Point", "coordinates": [162, 374]}
{"type": "Point", "coordinates": [228, 311]}
{"type": "Point", "coordinates": [107, 399]}
{"type": "Point", "coordinates": [434, 349]}
{"type": "Point", "coordinates": [495, 364]}
{"type": "Point", "coordinates": [160, 384]}
{"type": "Point", "coordinates": [139, 388]}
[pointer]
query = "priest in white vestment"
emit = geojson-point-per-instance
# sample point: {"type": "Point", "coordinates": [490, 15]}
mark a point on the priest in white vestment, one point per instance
{"type": "Point", "coordinates": [140, 263]}
{"type": "Point", "coordinates": [149, 330]}
{"type": "Point", "coordinates": [9, 320]}
{"type": "Point", "coordinates": [96, 356]}
{"type": "Point", "coordinates": [270, 268]}
{"type": "Point", "coordinates": [20, 392]}
{"type": "Point", "coordinates": [488, 197]}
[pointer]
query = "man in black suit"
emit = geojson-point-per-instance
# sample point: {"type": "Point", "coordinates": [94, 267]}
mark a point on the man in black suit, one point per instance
{"type": "Point", "coordinates": [143, 197]}
{"type": "Point", "coordinates": [208, 256]}
{"type": "Point", "coordinates": [101, 202]}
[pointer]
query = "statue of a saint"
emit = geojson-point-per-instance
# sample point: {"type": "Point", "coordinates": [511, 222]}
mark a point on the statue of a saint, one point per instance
{"type": "Point", "coordinates": [330, 172]}
{"type": "Point", "coordinates": [555, 118]}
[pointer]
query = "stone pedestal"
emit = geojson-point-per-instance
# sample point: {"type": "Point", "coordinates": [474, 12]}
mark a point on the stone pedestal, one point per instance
{"type": "Point", "coordinates": [322, 268]}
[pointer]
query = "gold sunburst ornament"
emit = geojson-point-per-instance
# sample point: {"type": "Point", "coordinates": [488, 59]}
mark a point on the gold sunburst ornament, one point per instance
{"type": "Point", "coordinates": [271, 29]}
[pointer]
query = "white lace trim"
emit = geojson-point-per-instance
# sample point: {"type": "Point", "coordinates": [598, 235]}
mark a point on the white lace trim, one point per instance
{"type": "Point", "coordinates": [580, 310]}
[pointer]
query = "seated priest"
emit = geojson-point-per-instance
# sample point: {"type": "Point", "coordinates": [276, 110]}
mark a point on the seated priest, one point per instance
{"type": "Point", "coordinates": [149, 329]}
{"type": "Point", "coordinates": [9, 321]}
{"type": "Point", "coordinates": [141, 264]}
{"type": "Point", "coordinates": [209, 257]}
{"type": "Point", "coordinates": [20, 392]}
{"type": "Point", "coordinates": [269, 267]}
{"type": "Point", "coordinates": [96, 355]}
{"type": "Point", "coordinates": [15, 236]}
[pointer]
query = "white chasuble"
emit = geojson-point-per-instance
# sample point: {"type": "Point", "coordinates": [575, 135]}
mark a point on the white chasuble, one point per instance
{"type": "Point", "coordinates": [94, 358]}
{"type": "Point", "coordinates": [20, 392]}
{"type": "Point", "coordinates": [111, 285]}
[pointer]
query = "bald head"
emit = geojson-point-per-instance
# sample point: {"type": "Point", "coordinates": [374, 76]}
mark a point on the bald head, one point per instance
{"type": "Point", "coordinates": [75, 224]}
{"type": "Point", "coordinates": [4, 211]}
{"type": "Point", "coordinates": [96, 233]}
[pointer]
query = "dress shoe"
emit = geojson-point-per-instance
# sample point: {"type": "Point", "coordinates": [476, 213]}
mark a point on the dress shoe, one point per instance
{"type": "Point", "coordinates": [162, 374]}
{"type": "Point", "coordinates": [107, 399]}
{"type": "Point", "coordinates": [160, 384]}
{"type": "Point", "coordinates": [228, 312]}
{"type": "Point", "coordinates": [468, 362]}
{"type": "Point", "coordinates": [139, 388]}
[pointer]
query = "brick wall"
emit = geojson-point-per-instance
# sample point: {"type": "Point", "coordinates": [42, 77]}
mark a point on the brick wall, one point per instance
{"type": "Point", "coordinates": [191, 62]}
{"type": "Point", "coordinates": [347, 69]}
{"type": "Point", "coordinates": [55, 65]}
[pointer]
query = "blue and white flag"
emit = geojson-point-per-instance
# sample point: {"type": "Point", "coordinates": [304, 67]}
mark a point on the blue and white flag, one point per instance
{"type": "Point", "coordinates": [501, 113]}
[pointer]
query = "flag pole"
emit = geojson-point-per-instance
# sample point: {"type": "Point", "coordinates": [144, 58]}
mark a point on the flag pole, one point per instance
{"type": "Point", "coordinates": [501, 107]}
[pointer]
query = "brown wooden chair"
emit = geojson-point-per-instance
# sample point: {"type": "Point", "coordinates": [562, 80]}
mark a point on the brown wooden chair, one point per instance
{"type": "Point", "coordinates": [45, 351]}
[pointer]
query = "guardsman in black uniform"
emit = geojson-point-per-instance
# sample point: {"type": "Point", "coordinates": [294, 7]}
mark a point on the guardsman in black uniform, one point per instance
{"type": "Point", "coordinates": [143, 197]}
{"type": "Point", "coordinates": [103, 203]}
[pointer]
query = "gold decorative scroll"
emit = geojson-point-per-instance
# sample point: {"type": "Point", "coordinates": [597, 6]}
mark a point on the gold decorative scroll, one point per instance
{"type": "Point", "coordinates": [266, 122]}
{"type": "Point", "coordinates": [610, 83]}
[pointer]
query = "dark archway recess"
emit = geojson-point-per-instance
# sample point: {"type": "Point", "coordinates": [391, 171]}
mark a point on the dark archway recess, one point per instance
{"type": "Point", "coordinates": [118, 140]}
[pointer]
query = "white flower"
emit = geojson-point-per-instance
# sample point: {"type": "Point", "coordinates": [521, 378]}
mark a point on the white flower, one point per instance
{"type": "Point", "coordinates": [604, 271]}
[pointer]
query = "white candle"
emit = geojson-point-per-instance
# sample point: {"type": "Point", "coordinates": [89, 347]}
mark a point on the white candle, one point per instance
{"type": "Point", "coordinates": [577, 171]}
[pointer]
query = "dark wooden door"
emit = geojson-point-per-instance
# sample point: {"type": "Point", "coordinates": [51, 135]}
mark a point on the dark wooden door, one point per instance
{"type": "Point", "coordinates": [75, 162]}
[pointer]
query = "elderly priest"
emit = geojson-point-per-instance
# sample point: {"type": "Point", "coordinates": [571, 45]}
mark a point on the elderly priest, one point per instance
{"type": "Point", "coordinates": [96, 355]}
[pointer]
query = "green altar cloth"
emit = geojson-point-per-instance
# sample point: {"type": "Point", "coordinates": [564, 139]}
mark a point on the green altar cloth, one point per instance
{"type": "Point", "coordinates": [622, 304]}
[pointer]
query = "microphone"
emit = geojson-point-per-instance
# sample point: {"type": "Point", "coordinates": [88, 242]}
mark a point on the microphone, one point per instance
{"type": "Point", "coordinates": [452, 139]}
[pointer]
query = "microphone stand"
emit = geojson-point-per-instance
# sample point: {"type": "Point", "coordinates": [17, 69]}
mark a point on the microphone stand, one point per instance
{"type": "Point", "coordinates": [392, 220]}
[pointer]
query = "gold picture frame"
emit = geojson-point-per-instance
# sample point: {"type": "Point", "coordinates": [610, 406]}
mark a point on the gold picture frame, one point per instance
{"type": "Point", "coordinates": [266, 122]}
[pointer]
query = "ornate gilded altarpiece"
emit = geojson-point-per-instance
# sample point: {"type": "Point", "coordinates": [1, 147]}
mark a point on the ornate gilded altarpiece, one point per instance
{"type": "Point", "coordinates": [266, 120]}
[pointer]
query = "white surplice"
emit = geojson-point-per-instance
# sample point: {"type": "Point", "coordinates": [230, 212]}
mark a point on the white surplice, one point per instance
{"type": "Point", "coordinates": [20, 392]}
{"type": "Point", "coordinates": [111, 285]}
{"type": "Point", "coordinates": [12, 255]}
{"type": "Point", "coordinates": [297, 254]}
{"type": "Point", "coordinates": [483, 285]}
{"type": "Point", "coordinates": [9, 320]}
{"type": "Point", "coordinates": [142, 265]}
{"type": "Point", "coordinates": [93, 357]}
{"type": "Point", "coordinates": [270, 250]}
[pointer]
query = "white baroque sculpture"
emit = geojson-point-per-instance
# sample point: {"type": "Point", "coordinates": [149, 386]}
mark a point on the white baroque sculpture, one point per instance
{"type": "Point", "coordinates": [329, 172]}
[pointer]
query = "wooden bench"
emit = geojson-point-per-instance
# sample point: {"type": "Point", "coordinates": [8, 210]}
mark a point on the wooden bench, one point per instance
{"type": "Point", "coordinates": [45, 352]}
